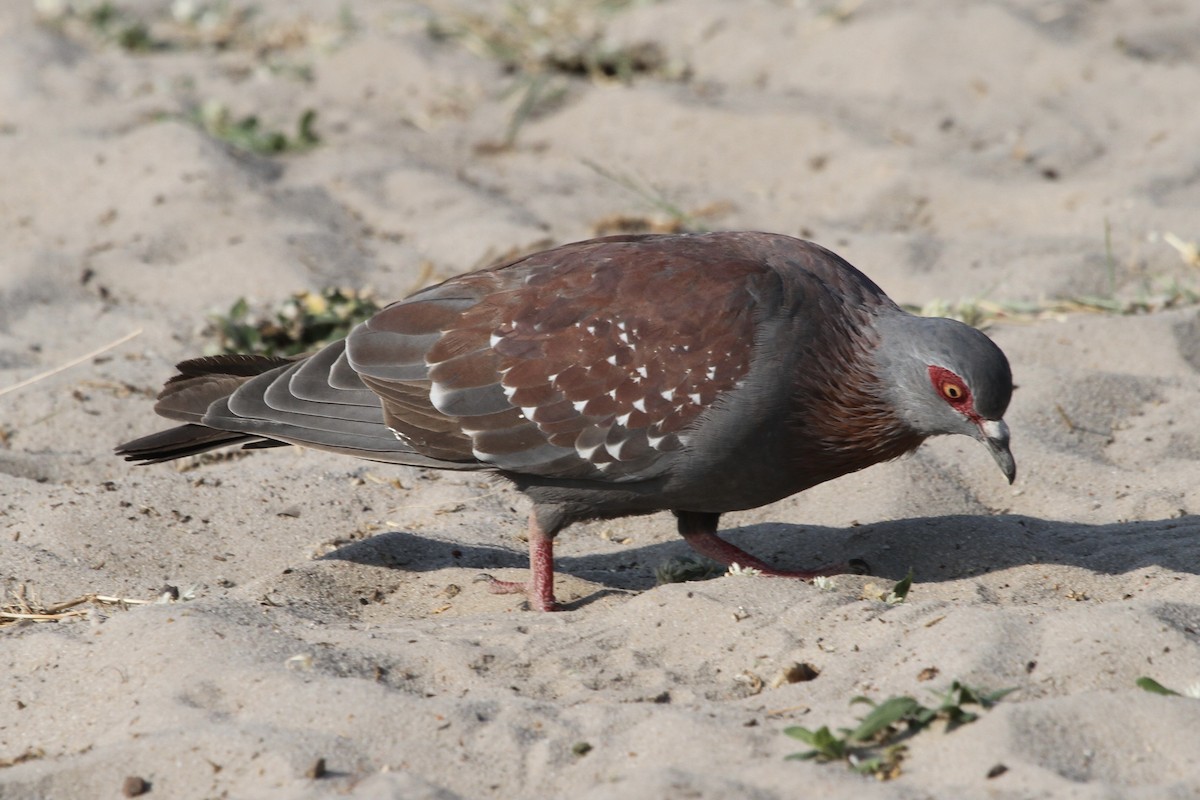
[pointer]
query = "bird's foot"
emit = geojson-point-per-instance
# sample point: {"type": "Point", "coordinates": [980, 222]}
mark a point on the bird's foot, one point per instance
{"type": "Point", "coordinates": [712, 546]}
{"type": "Point", "coordinates": [539, 600]}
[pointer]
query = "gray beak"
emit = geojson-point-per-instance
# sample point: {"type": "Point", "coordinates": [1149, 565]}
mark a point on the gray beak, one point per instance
{"type": "Point", "coordinates": [994, 434]}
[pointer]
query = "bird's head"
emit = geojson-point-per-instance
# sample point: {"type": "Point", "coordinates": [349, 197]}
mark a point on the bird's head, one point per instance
{"type": "Point", "coordinates": [947, 377]}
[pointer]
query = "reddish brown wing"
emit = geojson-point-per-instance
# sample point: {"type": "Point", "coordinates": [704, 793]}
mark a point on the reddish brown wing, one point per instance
{"type": "Point", "coordinates": [588, 361]}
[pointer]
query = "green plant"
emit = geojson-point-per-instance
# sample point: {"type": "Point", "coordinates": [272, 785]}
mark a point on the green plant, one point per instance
{"type": "Point", "coordinates": [689, 568]}
{"type": "Point", "coordinates": [874, 747]}
{"type": "Point", "coordinates": [559, 36]}
{"type": "Point", "coordinates": [1151, 685]}
{"type": "Point", "coordinates": [543, 45]}
{"type": "Point", "coordinates": [899, 592]}
{"type": "Point", "coordinates": [244, 133]}
{"type": "Point", "coordinates": [1154, 294]}
{"type": "Point", "coordinates": [147, 28]}
{"type": "Point", "coordinates": [301, 323]}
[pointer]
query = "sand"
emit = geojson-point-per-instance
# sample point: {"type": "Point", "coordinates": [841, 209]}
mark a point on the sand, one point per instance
{"type": "Point", "coordinates": [1031, 155]}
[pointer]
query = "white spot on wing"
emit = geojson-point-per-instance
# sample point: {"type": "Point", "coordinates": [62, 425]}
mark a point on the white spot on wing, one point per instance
{"type": "Point", "coordinates": [640, 404]}
{"type": "Point", "coordinates": [586, 453]}
{"type": "Point", "coordinates": [437, 395]}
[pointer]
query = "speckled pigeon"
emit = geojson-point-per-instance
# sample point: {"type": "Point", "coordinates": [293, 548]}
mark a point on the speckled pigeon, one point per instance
{"type": "Point", "coordinates": [696, 373]}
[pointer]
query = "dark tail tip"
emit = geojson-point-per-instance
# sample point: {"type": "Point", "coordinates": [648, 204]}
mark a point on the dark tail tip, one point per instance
{"type": "Point", "coordinates": [180, 442]}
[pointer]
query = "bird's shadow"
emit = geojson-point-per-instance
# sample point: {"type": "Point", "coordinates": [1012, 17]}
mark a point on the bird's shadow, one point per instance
{"type": "Point", "coordinates": [935, 548]}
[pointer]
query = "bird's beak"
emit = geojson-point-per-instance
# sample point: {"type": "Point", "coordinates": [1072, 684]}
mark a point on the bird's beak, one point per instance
{"type": "Point", "coordinates": [994, 434]}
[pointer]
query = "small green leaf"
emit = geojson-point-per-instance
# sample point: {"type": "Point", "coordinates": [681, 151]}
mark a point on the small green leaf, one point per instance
{"type": "Point", "coordinates": [803, 734]}
{"type": "Point", "coordinates": [1151, 685]}
{"type": "Point", "coordinates": [825, 745]}
{"type": "Point", "coordinates": [899, 592]}
{"type": "Point", "coordinates": [883, 716]}
{"type": "Point", "coordinates": [989, 699]}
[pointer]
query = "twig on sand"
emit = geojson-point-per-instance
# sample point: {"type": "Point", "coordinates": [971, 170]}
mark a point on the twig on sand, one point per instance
{"type": "Point", "coordinates": [22, 608]}
{"type": "Point", "coordinates": [73, 362]}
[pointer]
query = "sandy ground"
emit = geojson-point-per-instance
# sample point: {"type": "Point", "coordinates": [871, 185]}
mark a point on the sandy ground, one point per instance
{"type": "Point", "coordinates": [1023, 153]}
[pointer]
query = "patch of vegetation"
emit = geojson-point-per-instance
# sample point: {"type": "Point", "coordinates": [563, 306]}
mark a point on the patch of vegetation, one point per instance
{"type": "Point", "coordinates": [109, 24]}
{"type": "Point", "coordinates": [301, 323]}
{"type": "Point", "coordinates": [875, 747]}
{"type": "Point", "coordinates": [189, 24]}
{"type": "Point", "coordinates": [245, 133]}
{"type": "Point", "coordinates": [544, 44]}
{"type": "Point", "coordinates": [686, 569]}
{"type": "Point", "coordinates": [553, 36]}
{"type": "Point", "coordinates": [1153, 295]}
{"type": "Point", "coordinates": [185, 25]}
{"type": "Point", "coordinates": [1161, 296]}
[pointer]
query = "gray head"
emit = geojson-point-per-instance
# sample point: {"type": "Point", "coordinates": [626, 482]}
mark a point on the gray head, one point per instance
{"type": "Point", "coordinates": [946, 377]}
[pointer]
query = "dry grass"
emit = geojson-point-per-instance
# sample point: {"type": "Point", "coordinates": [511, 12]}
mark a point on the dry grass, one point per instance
{"type": "Point", "coordinates": [23, 608]}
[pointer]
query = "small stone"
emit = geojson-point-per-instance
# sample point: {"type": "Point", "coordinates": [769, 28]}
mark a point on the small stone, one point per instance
{"type": "Point", "coordinates": [135, 786]}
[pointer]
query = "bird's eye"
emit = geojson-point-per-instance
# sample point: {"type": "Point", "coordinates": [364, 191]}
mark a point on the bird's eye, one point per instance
{"type": "Point", "coordinates": [951, 387]}
{"type": "Point", "coordinates": [952, 391]}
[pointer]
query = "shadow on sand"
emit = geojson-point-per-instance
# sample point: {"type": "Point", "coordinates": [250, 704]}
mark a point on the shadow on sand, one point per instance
{"type": "Point", "coordinates": [936, 548]}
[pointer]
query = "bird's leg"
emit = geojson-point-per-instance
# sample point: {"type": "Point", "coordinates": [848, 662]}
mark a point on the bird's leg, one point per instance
{"type": "Point", "coordinates": [540, 587]}
{"type": "Point", "coordinates": [699, 529]}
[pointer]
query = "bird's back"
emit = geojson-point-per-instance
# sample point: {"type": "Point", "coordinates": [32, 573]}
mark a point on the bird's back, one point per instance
{"type": "Point", "coordinates": [619, 372]}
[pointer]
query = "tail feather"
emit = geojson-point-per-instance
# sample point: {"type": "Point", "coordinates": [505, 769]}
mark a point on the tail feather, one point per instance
{"type": "Point", "coordinates": [186, 440]}
{"type": "Point", "coordinates": [203, 381]}
{"type": "Point", "coordinates": [265, 401]}
{"type": "Point", "coordinates": [187, 396]}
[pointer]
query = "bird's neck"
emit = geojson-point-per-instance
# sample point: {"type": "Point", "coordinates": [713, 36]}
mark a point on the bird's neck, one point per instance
{"type": "Point", "coordinates": [847, 423]}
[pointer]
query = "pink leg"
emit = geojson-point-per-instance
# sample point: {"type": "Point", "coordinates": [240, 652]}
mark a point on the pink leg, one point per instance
{"type": "Point", "coordinates": [540, 588]}
{"type": "Point", "coordinates": [699, 530]}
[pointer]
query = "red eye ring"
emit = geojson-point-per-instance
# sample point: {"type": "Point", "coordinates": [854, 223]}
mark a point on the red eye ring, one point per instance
{"type": "Point", "coordinates": [950, 387]}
